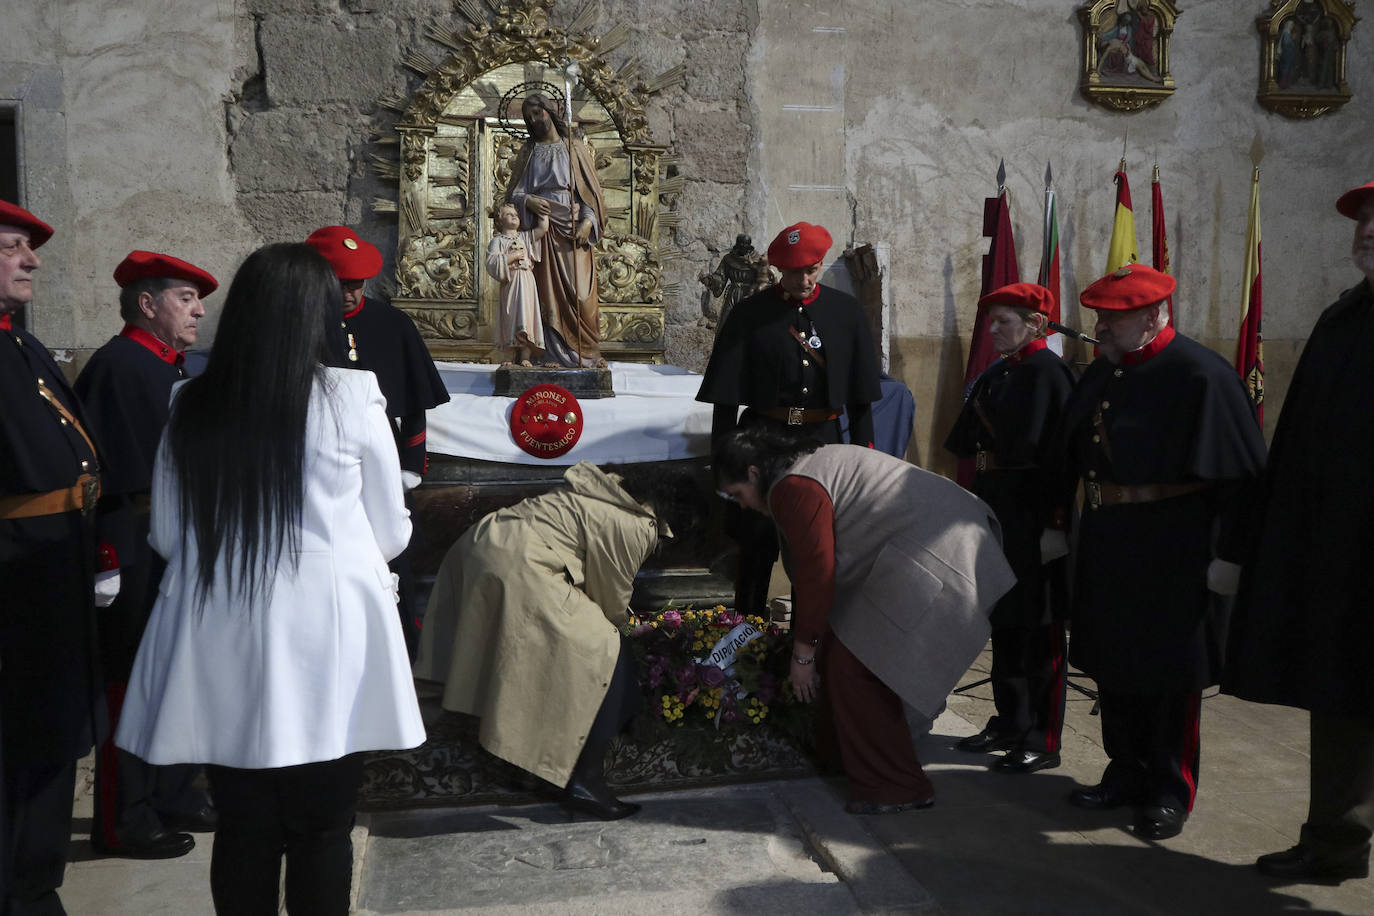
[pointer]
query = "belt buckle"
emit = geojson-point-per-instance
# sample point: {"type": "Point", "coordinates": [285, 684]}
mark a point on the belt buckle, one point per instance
{"type": "Point", "coordinates": [1094, 493]}
{"type": "Point", "coordinates": [90, 494]}
{"type": "Point", "coordinates": [794, 416]}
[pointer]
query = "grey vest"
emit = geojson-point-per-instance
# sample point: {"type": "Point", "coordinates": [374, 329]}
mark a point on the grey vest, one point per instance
{"type": "Point", "coordinates": [918, 567]}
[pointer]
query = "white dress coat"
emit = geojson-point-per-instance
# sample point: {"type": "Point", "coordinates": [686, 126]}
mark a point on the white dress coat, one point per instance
{"type": "Point", "coordinates": [317, 670]}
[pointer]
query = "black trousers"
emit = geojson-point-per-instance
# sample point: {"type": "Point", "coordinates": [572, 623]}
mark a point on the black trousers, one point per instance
{"type": "Point", "coordinates": [620, 705]}
{"type": "Point", "coordinates": [1153, 742]}
{"type": "Point", "coordinates": [130, 794]}
{"type": "Point", "coordinates": [1028, 684]}
{"type": "Point", "coordinates": [37, 834]}
{"type": "Point", "coordinates": [1340, 816]}
{"type": "Point", "coordinates": [303, 812]}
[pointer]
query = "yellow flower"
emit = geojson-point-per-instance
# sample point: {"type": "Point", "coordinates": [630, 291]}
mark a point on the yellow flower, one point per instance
{"type": "Point", "coordinates": [653, 623]}
{"type": "Point", "coordinates": [720, 608]}
{"type": "Point", "coordinates": [698, 644]}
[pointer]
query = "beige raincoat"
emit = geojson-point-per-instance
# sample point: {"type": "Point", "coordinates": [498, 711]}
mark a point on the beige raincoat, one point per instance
{"type": "Point", "coordinates": [523, 623]}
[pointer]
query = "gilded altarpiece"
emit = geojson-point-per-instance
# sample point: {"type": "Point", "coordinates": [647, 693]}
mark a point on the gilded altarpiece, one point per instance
{"type": "Point", "coordinates": [458, 136]}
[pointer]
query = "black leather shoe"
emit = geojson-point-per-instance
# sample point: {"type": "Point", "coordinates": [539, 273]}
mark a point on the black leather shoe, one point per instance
{"type": "Point", "coordinates": [1159, 822]}
{"type": "Point", "coordinates": [599, 804]}
{"type": "Point", "coordinates": [986, 740]}
{"type": "Point", "coordinates": [1305, 862]}
{"type": "Point", "coordinates": [1024, 761]}
{"type": "Point", "coordinates": [203, 820]}
{"type": "Point", "coordinates": [870, 807]}
{"type": "Point", "coordinates": [1102, 797]}
{"type": "Point", "coordinates": [155, 844]}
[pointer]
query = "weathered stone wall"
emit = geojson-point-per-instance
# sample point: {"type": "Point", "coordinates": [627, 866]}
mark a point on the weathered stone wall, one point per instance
{"type": "Point", "coordinates": [207, 128]}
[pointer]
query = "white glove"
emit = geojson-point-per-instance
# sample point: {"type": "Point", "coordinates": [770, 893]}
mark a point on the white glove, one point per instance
{"type": "Point", "coordinates": [410, 480]}
{"type": "Point", "coordinates": [1223, 577]}
{"type": "Point", "coordinates": [106, 587]}
{"type": "Point", "coordinates": [395, 588]}
{"type": "Point", "coordinates": [1054, 543]}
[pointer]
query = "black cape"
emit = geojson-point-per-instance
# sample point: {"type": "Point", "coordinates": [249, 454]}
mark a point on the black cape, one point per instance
{"type": "Point", "coordinates": [1144, 621]}
{"type": "Point", "coordinates": [51, 697]}
{"type": "Point", "coordinates": [1303, 629]}
{"type": "Point", "coordinates": [126, 390]}
{"type": "Point", "coordinates": [1022, 401]}
{"type": "Point", "coordinates": [389, 346]}
{"type": "Point", "coordinates": [757, 362]}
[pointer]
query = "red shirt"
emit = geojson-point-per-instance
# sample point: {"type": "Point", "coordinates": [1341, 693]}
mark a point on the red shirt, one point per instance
{"type": "Point", "coordinates": [806, 518]}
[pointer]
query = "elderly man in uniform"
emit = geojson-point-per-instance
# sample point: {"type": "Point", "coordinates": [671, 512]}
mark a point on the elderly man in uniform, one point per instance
{"type": "Point", "coordinates": [796, 355]}
{"type": "Point", "coordinates": [126, 389]}
{"type": "Point", "coordinates": [50, 703]}
{"type": "Point", "coordinates": [382, 339]}
{"type": "Point", "coordinates": [1303, 626]}
{"type": "Point", "coordinates": [1163, 436]}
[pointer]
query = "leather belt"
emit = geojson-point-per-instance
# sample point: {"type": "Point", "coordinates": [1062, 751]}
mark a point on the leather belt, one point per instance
{"type": "Point", "coordinates": [986, 461]}
{"type": "Point", "coordinates": [82, 495]}
{"type": "Point", "coordinates": [1113, 494]}
{"type": "Point", "coordinates": [798, 416]}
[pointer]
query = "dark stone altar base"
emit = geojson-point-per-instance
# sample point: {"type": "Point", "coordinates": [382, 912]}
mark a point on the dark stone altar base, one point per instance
{"type": "Point", "coordinates": [451, 768]}
{"type": "Point", "coordinates": [512, 381]}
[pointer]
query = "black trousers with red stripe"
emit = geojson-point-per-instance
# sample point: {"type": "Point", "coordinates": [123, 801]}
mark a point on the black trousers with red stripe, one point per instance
{"type": "Point", "coordinates": [131, 795]}
{"type": "Point", "coordinates": [1153, 743]}
{"type": "Point", "coordinates": [1028, 684]}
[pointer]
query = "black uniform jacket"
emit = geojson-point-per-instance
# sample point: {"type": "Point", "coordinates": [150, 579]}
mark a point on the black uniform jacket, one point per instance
{"type": "Point", "coordinates": [1012, 412]}
{"type": "Point", "coordinates": [50, 692]}
{"type": "Point", "coordinates": [757, 362]}
{"type": "Point", "coordinates": [387, 343]}
{"type": "Point", "coordinates": [1303, 630]}
{"type": "Point", "coordinates": [126, 389]}
{"type": "Point", "coordinates": [1144, 620]}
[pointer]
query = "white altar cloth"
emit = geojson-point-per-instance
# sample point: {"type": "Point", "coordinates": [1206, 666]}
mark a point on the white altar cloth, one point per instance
{"type": "Point", "coordinates": [654, 416]}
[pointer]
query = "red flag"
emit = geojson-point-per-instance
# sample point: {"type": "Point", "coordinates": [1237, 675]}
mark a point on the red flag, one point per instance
{"type": "Point", "coordinates": [999, 269]}
{"type": "Point", "coordinates": [1159, 234]}
{"type": "Point", "coordinates": [1249, 345]}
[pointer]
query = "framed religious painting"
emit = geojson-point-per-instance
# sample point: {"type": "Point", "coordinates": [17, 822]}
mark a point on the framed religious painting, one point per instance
{"type": "Point", "coordinates": [1302, 56]}
{"type": "Point", "coordinates": [1126, 52]}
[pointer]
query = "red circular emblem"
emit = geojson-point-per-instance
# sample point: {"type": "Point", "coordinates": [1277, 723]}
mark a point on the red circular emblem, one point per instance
{"type": "Point", "coordinates": [546, 421]}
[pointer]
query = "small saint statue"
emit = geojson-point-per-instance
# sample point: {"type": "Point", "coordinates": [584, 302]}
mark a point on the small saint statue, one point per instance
{"type": "Point", "coordinates": [511, 256]}
{"type": "Point", "coordinates": [740, 273]}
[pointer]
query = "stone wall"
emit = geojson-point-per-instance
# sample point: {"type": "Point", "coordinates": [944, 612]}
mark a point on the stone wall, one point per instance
{"type": "Point", "coordinates": [207, 127]}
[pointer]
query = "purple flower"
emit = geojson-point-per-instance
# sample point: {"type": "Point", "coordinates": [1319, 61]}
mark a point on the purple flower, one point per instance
{"type": "Point", "coordinates": [710, 675]}
{"type": "Point", "coordinates": [641, 629]}
{"type": "Point", "coordinates": [672, 619]}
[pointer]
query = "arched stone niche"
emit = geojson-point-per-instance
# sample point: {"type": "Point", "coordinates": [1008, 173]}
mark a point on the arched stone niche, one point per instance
{"type": "Point", "coordinates": [455, 162]}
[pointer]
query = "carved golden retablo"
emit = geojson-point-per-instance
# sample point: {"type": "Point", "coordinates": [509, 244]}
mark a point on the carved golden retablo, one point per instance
{"type": "Point", "coordinates": [455, 155]}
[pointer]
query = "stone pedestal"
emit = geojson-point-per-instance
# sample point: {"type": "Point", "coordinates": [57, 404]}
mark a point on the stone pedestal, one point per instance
{"type": "Point", "coordinates": [512, 381]}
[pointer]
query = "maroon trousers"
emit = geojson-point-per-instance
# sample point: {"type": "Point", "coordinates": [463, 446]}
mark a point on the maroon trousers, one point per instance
{"type": "Point", "coordinates": [869, 722]}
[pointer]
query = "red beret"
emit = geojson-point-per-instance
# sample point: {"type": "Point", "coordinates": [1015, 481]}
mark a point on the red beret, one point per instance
{"type": "Point", "coordinates": [352, 258]}
{"type": "Point", "coordinates": [1134, 286]}
{"type": "Point", "coordinates": [147, 265]}
{"type": "Point", "coordinates": [1031, 296]}
{"type": "Point", "coordinates": [800, 245]}
{"type": "Point", "coordinates": [12, 215]}
{"type": "Point", "coordinates": [1351, 201]}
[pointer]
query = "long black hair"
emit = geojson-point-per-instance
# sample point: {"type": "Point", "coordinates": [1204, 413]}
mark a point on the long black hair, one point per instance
{"type": "Point", "coordinates": [763, 447]}
{"type": "Point", "coordinates": [236, 435]}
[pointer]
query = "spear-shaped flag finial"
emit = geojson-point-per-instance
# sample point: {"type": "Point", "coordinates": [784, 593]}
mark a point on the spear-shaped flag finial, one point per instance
{"type": "Point", "coordinates": [1001, 175]}
{"type": "Point", "coordinates": [1049, 175]}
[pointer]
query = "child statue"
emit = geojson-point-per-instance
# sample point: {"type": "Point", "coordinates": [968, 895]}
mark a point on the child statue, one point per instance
{"type": "Point", "coordinates": [509, 262]}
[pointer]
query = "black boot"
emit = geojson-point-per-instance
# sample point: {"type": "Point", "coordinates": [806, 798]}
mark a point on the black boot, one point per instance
{"type": "Point", "coordinates": [587, 791]}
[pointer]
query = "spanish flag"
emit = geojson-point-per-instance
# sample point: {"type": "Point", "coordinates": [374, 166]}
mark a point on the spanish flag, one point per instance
{"type": "Point", "coordinates": [1249, 345]}
{"type": "Point", "coordinates": [1122, 250]}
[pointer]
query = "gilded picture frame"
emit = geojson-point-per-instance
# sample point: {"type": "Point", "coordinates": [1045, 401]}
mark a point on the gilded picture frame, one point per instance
{"type": "Point", "coordinates": [1303, 56]}
{"type": "Point", "coordinates": [1126, 53]}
